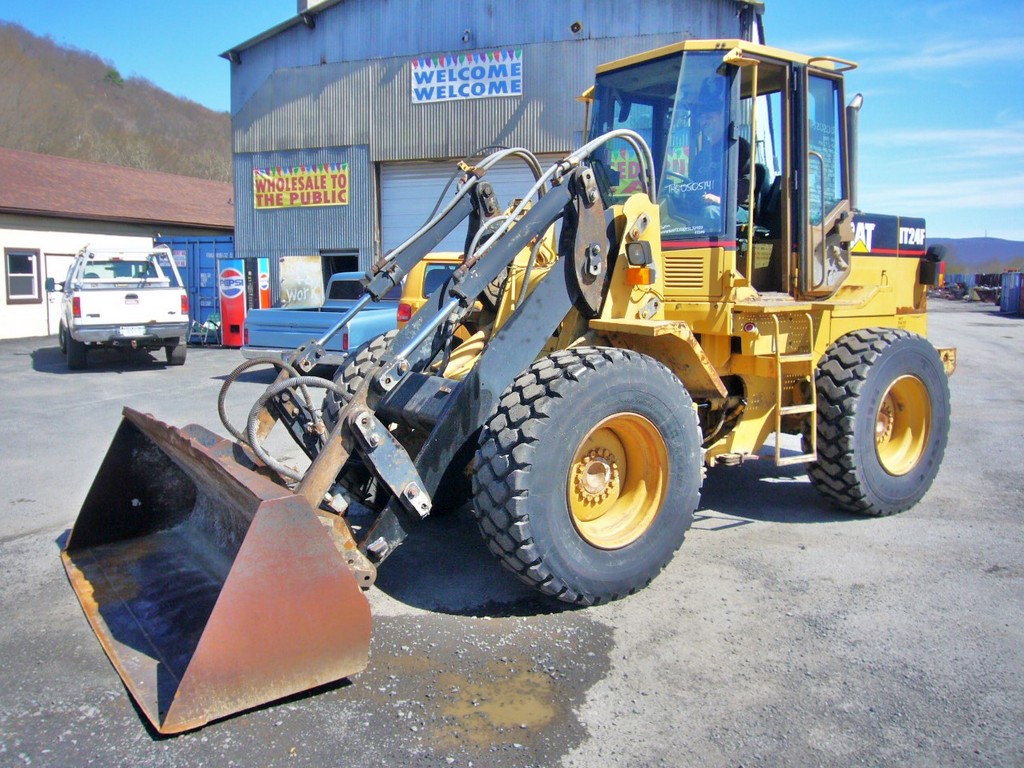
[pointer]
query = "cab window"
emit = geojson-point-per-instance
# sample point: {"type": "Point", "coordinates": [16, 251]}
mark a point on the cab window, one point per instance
{"type": "Point", "coordinates": [435, 276]}
{"type": "Point", "coordinates": [825, 171]}
{"type": "Point", "coordinates": [679, 104]}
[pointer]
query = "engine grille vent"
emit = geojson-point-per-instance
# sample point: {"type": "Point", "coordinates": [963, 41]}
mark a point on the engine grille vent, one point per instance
{"type": "Point", "coordinates": [684, 275]}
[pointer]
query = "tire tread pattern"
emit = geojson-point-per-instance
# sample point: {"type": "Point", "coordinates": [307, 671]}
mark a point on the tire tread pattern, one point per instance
{"type": "Point", "coordinates": [350, 376]}
{"type": "Point", "coordinates": [840, 380]}
{"type": "Point", "coordinates": [506, 454]}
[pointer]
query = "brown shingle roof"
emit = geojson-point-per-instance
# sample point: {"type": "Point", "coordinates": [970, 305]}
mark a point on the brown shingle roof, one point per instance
{"type": "Point", "coordinates": [46, 185]}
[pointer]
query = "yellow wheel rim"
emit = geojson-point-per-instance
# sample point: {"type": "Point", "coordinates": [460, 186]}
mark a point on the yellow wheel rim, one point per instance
{"type": "Point", "coordinates": [618, 480]}
{"type": "Point", "coordinates": [902, 425]}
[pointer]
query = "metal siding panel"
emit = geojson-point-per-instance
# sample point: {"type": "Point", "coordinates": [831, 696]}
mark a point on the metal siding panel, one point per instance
{"type": "Point", "coordinates": [409, 192]}
{"type": "Point", "coordinates": [357, 60]}
{"type": "Point", "coordinates": [346, 83]}
{"type": "Point", "coordinates": [368, 29]}
{"type": "Point", "coordinates": [326, 106]}
{"type": "Point", "coordinates": [305, 231]}
{"type": "Point", "coordinates": [370, 103]}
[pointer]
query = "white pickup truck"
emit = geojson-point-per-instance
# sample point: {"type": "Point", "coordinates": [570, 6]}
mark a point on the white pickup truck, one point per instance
{"type": "Point", "coordinates": [126, 299]}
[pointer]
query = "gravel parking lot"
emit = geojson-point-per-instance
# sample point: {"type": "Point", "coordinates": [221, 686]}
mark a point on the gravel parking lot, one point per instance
{"type": "Point", "coordinates": [784, 632]}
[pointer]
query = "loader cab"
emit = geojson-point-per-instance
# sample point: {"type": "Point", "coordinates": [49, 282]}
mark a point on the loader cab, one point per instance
{"type": "Point", "coordinates": [751, 159]}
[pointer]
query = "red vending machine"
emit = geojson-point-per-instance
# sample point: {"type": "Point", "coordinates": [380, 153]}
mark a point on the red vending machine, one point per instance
{"type": "Point", "coordinates": [244, 284]}
{"type": "Point", "coordinates": [231, 285]}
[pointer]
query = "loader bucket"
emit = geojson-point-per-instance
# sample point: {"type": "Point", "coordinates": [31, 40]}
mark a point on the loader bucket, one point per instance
{"type": "Point", "coordinates": [212, 588]}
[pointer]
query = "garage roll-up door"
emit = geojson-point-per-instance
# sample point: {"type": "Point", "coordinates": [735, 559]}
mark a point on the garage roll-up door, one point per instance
{"type": "Point", "coordinates": [409, 192]}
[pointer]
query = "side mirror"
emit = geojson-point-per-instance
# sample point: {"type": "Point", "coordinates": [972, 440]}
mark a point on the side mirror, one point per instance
{"type": "Point", "coordinates": [51, 285]}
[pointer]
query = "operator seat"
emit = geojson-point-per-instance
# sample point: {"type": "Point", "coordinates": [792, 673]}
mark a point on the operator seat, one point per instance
{"type": "Point", "coordinates": [768, 219]}
{"type": "Point", "coordinates": [769, 213]}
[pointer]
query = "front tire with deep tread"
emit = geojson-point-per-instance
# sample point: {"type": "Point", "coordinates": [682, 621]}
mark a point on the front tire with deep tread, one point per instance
{"type": "Point", "coordinates": [359, 365]}
{"type": "Point", "coordinates": [883, 421]}
{"type": "Point", "coordinates": [588, 473]}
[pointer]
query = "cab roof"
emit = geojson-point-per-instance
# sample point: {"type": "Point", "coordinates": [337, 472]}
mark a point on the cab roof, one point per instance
{"type": "Point", "coordinates": [734, 45]}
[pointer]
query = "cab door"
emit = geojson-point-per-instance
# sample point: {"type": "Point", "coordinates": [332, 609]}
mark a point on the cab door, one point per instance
{"type": "Point", "coordinates": [824, 214]}
{"type": "Point", "coordinates": [764, 120]}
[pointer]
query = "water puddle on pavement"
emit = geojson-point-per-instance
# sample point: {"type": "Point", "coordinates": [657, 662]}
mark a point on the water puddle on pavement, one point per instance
{"type": "Point", "coordinates": [483, 688]}
{"type": "Point", "coordinates": [509, 700]}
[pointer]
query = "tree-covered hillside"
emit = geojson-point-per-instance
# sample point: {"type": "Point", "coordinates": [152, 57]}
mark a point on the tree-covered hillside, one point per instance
{"type": "Point", "coordinates": [66, 102]}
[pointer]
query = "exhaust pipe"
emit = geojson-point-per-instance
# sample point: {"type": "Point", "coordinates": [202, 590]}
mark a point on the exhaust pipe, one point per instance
{"type": "Point", "coordinates": [852, 139]}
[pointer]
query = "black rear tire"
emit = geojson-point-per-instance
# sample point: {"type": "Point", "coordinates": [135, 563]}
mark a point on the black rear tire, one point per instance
{"type": "Point", "coordinates": [588, 474]}
{"type": "Point", "coordinates": [176, 354]}
{"type": "Point", "coordinates": [883, 421]}
{"type": "Point", "coordinates": [76, 353]}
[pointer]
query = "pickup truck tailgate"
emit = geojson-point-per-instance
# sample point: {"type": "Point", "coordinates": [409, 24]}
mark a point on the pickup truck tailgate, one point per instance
{"type": "Point", "coordinates": [125, 307]}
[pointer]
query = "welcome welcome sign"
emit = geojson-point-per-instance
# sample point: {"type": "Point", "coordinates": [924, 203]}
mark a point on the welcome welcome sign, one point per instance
{"type": "Point", "coordinates": [479, 75]}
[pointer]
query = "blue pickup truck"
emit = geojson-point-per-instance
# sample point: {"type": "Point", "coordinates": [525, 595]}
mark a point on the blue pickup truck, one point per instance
{"type": "Point", "coordinates": [278, 332]}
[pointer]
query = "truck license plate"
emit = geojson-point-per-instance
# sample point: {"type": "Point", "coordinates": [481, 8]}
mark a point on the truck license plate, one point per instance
{"type": "Point", "coordinates": [133, 330]}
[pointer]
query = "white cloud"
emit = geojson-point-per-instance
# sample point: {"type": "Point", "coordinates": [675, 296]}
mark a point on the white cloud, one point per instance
{"type": "Point", "coordinates": [957, 199]}
{"type": "Point", "coordinates": [952, 54]}
{"type": "Point", "coordinates": [833, 46]}
{"type": "Point", "coordinates": [992, 142]}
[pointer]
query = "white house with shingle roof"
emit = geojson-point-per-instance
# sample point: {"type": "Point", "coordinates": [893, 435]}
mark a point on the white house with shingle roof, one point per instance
{"type": "Point", "coordinates": [50, 207]}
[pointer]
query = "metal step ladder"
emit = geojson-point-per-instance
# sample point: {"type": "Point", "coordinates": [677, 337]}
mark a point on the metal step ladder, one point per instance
{"type": "Point", "coordinates": [799, 363]}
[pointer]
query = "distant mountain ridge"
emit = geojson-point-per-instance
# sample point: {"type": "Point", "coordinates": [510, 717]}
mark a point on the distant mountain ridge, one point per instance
{"type": "Point", "coordinates": [70, 103]}
{"type": "Point", "coordinates": [981, 254]}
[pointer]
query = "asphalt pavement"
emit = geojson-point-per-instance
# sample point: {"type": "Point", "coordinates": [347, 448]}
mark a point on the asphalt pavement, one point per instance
{"type": "Point", "coordinates": [783, 633]}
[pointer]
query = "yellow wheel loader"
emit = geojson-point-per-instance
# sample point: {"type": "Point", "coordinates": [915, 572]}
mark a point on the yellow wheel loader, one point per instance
{"type": "Point", "coordinates": [690, 286]}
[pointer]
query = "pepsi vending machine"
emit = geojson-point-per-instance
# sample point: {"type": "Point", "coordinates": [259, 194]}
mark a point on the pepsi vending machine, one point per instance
{"type": "Point", "coordinates": [257, 283]}
{"type": "Point", "coordinates": [243, 284]}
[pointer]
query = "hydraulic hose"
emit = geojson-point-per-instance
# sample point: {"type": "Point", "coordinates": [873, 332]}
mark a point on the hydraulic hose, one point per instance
{"type": "Point", "coordinates": [526, 155]}
{"type": "Point", "coordinates": [233, 377]}
{"type": "Point", "coordinates": [485, 164]}
{"type": "Point", "coordinates": [275, 389]}
{"type": "Point", "coordinates": [632, 138]}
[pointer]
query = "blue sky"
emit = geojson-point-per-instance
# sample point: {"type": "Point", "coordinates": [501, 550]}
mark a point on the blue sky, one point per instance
{"type": "Point", "coordinates": [942, 128]}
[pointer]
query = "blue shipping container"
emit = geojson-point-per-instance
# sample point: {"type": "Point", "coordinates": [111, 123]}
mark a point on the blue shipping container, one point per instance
{"type": "Point", "coordinates": [1010, 301]}
{"type": "Point", "coordinates": [967, 281]}
{"type": "Point", "coordinates": [196, 258]}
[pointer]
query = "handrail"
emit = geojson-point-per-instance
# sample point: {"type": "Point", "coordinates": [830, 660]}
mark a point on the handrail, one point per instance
{"type": "Point", "coordinates": [845, 65]}
{"type": "Point", "coordinates": [812, 154]}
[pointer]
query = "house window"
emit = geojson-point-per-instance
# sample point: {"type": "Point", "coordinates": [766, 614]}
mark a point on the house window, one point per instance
{"type": "Point", "coordinates": [23, 282]}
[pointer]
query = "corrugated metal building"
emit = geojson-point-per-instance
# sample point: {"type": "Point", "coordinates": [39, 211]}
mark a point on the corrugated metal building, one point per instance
{"type": "Point", "coordinates": [342, 115]}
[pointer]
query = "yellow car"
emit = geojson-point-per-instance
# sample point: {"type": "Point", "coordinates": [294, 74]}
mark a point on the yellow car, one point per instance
{"type": "Point", "coordinates": [424, 279]}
